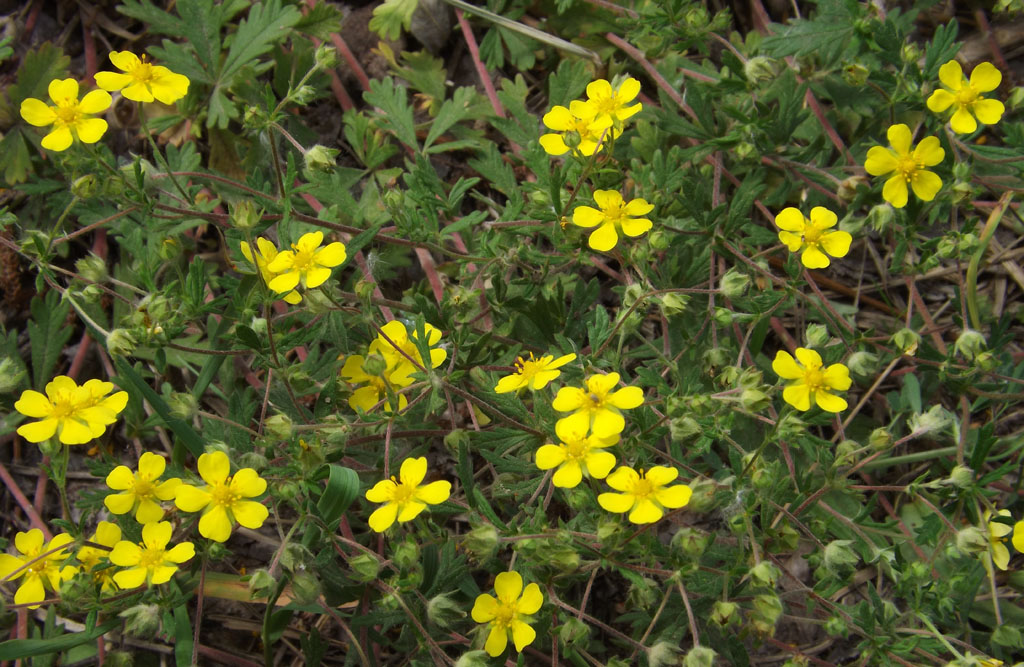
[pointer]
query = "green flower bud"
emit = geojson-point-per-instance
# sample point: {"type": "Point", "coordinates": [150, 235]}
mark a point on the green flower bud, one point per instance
{"type": "Point", "coordinates": [285, 490]}
{"type": "Point", "coordinates": [278, 426]}
{"type": "Point", "coordinates": [684, 428]}
{"type": "Point", "coordinates": [816, 335]}
{"type": "Point", "coordinates": [11, 375]}
{"type": "Point", "coordinates": [443, 611]}
{"type": "Point", "coordinates": [142, 620]}
{"type": "Point", "coordinates": [92, 268]}
{"type": "Point", "coordinates": [642, 594]}
{"type": "Point", "coordinates": [761, 69]}
{"type": "Point", "coordinates": [961, 477]}
{"type": "Point", "coordinates": [911, 53]}
{"type": "Point", "coordinates": [120, 343]}
{"type": "Point", "coordinates": [305, 587]}
{"type": "Point", "coordinates": [835, 626]}
{"type": "Point", "coordinates": [407, 555]}
{"type": "Point", "coordinates": [734, 284]}
{"type": "Point", "coordinates": [907, 341]}
{"type": "Point", "coordinates": [659, 240]}
{"type": "Point", "coordinates": [724, 614]}
{"type": "Point", "coordinates": [365, 567]}
{"type": "Point", "coordinates": [702, 498]}
{"type": "Point", "coordinates": [481, 542]}
{"type": "Point", "coordinates": [85, 187]}
{"type": "Point", "coordinates": [764, 575]}
{"type": "Point", "coordinates": [320, 158]}
{"type": "Point", "coordinates": [573, 631]}
{"type": "Point", "coordinates": [969, 344]}
{"type": "Point", "coordinates": [767, 607]}
{"type": "Point", "coordinates": [253, 460]}
{"type": "Point", "coordinates": [244, 215]}
{"type": "Point", "coordinates": [691, 541]}
{"type": "Point", "coordinates": [1016, 98]}
{"type": "Point", "coordinates": [863, 363]}
{"type": "Point", "coordinates": [700, 656]}
{"type": "Point", "coordinates": [118, 659]}
{"type": "Point", "coordinates": [374, 364]}
{"type": "Point", "coordinates": [856, 74]}
{"type": "Point", "coordinates": [169, 249]}
{"type": "Point", "coordinates": [261, 584]}
{"type": "Point", "coordinates": [673, 303]}
{"type": "Point", "coordinates": [972, 540]}
{"type": "Point", "coordinates": [716, 357]}
{"type": "Point", "coordinates": [846, 451]}
{"type": "Point", "coordinates": [254, 118]}
{"type": "Point", "coordinates": [723, 316]}
{"type": "Point", "coordinates": [259, 326]}
{"type": "Point", "coordinates": [304, 94]}
{"type": "Point", "coordinates": [51, 447]}
{"type": "Point", "coordinates": [880, 440]}
{"type": "Point", "coordinates": [947, 247]}
{"type": "Point", "coordinates": [183, 405]}
{"type": "Point", "coordinates": [791, 426]}
{"type": "Point", "coordinates": [839, 557]}
{"type": "Point", "coordinates": [784, 537]}
{"type": "Point", "coordinates": [609, 530]}
{"type": "Point", "coordinates": [663, 654]}
{"type": "Point", "coordinates": [473, 659]}
{"type": "Point", "coordinates": [730, 376]}
{"type": "Point", "coordinates": [755, 400]}
{"type": "Point", "coordinates": [880, 217]}
{"type": "Point", "coordinates": [935, 419]}
{"type": "Point", "coordinates": [847, 192]}
{"type": "Point", "coordinates": [325, 57]}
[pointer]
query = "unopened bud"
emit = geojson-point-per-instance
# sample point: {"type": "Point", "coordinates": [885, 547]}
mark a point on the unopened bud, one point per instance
{"type": "Point", "coordinates": [663, 654]}
{"type": "Point", "coordinates": [724, 614]}
{"type": "Point", "coordinates": [320, 158]}
{"type": "Point", "coordinates": [969, 344]}
{"type": "Point", "coordinates": [572, 631]}
{"type": "Point", "coordinates": [907, 341]}
{"type": "Point", "coordinates": [880, 217]}
{"type": "Point", "coordinates": [839, 557]}
{"type": "Point", "coordinates": [279, 426]}
{"type": "Point", "coordinates": [305, 587]}
{"type": "Point", "coordinates": [92, 268]}
{"type": "Point", "coordinates": [481, 542]}
{"type": "Point", "coordinates": [764, 575]}
{"type": "Point", "coordinates": [374, 365]}
{"type": "Point", "coordinates": [936, 418]}
{"type": "Point", "coordinates": [684, 428]}
{"type": "Point", "coordinates": [700, 656]}
{"type": "Point", "coordinates": [365, 567]}
{"type": "Point", "coordinates": [473, 659]}
{"type": "Point", "coordinates": [261, 584]}
{"type": "Point", "coordinates": [755, 400]}
{"type": "Point", "coordinates": [961, 477]}
{"type": "Point", "coordinates": [847, 192]}
{"type": "Point", "coordinates": [142, 620]}
{"type": "Point", "coordinates": [85, 187]}
{"type": "Point", "coordinates": [183, 405]}
{"type": "Point", "coordinates": [734, 284]}
{"type": "Point", "coordinates": [760, 69]}
{"type": "Point", "coordinates": [325, 57]}
{"type": "Point", "coordinates": [673, 303]}
{"type": "Point", "coordinates": [120, 343]}
{"type": "Point", "coordinates": [863, 363]}
{"type": "Point", "coordinates": [253, 460]}
{"type": "Point", "coordinates": [443, 611]}
{"type": "Point", "coordinates": [816, 335]}
{"type": "Point", "coordinates": [856, 74]}
{"type": "Point", "coordinates": [880, 440]}
{"type": "Point", "coordinates": [11, 375]}
{"type": "Point", "coordinates": [407, 555]}
{"type": "Point", "coordinates": [244, 215]}
{"type": "Point", "coordinates": [691, 541]}
{"type": "Point", "coordinates": [972, 540]}
{"type": "Point", "coordinates": [835, 626]}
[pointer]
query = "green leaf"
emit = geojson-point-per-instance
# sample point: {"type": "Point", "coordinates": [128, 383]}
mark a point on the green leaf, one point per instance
{"type": "Point", "coordinates": [390, 18]}
{"type": "Point", "coordinates": [15, 157]}
{"type": "Point", "coordinates": [826, 35]}
{"type": "Point", "coordinates": [183, 643]}
{"type": "Point", "coordinates": [15, 649]}
{"type": "Point", "coordinates": [567, 82]}
{"type": "Point", "coordinates": [38, 68]}
{"type": "Point", "coordinates": [320, 21]}
{"type": "Point", "coordinates": [342, 488]}
{"type": "Point", "coordinates": [451, 112]}
{"type": "Point", "coordinates": [201, 21]}
{"type": "Point", "coordinates": [266, 25]}
{"type": "Point", "coordinates": [130, 379]}
{"type": "Point", "coordinates": [47, 334]}
{"type": "Point", "coordinates": [941, 49]}
{"type": "Point", "coordinates": [397, 116]}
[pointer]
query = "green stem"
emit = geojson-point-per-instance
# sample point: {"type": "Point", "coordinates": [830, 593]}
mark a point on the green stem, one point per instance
{"type": "Point", "coordinates": [972, 269]}
{"type": "Point", "coordinates": [160, 156]}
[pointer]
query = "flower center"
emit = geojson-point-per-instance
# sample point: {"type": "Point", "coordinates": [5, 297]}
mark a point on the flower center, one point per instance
{"type": "Point", "coordinates": [222, 494]}
{"type": "Point", "coordinates": [67, 111]}
{"type": "Point", "coordinates": [63, 408]}
{"type": "Point", "coordinates": [505, 614]}
{"type": "Point", "coordinates": [143, 72]}
{"type": "Point", "coordinates": [403, 493]}
{"type": "Point", "coordinates": [614, 214]}
{"type": "Point", "coordinates": [529, 367]}
{"type": "Point", "coordinates": [142, 488]}
{"type": "Point", "coordinates": [577, 449]}
{"type": "Point", "coordinates": [642, 487]}
{"type": "Point", "coordinates": [966, 96]}
{"type": "Point", "coordinates": [814, 378]}
{"type": "Point", "coordinates": [151, 557]}
{"type": "Point", "coordinates": [811, 234]}
{"type": "Point", "coordinates": [908, 166]}
{"type": "Point", "coordinates": [38, 568]}
{"type": "Point", "coordinates": [303, 260]}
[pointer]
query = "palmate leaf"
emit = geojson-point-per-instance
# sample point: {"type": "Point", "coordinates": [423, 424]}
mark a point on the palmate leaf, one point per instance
{"type": "Point", "coordinates": [320, 21]}
{"type": "Point", "coordinates": [392, 99]}
{"type": "Point", "coordinates": [266, 25]}
{"type": "Point", "coordinates": [38, 68]}
{"type": "Point", "coordinates": [390, 18]}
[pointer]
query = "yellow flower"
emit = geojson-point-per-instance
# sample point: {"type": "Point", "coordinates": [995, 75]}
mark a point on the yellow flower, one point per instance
{"type": "Point", "coordinates": [92, 558]}
{"type": "Point", "coordinates": [75, 414]}
{"type": "Point", "coordinates": [1018, 536]}
{"type": "Point", "coordinates": [597, 407]}
{"type": "Point", "coordinates": [142, 81]}
{"type": "Point", "coordinates": [377, 385]}
{"type": "Point", "coordinates": [221, 500]}
{"type": "Point", "coordinates": [965, 96]}
{"type": "Point", "coordinates": [150, 561]}
{"type": "Point", "coordinates": [579, 124]}
{"type": "Point", "coordinates": [612, 103]}
{"type": "Point", "coordinates": [405, 497]}
{"type": "Point", "coordinates": [267, 253]}
{"type": "Point", "coordinates": [70, 117]}
{"type": "Point", "coordinates": [615, 216]}
{"type": "Point", "coordinates": [509, 614]}
{"type": "Point", "coordinates": [533, 373]}
{"type": "Point", "coordinates": [997, 532]}
{"type": "Point", "coordinates": [812, 381]}
{"type": "Point", "coordinates": [644, 494]}
{"type": "Point", "coordinates": [140, 491]}
{"type": "Point", "coordinates": [799, 233]}
{"type": "Point", "coordinates": [906, 166]}
{"type": "Point", "coordinates": [576, 455]}
{"type": "Point", "coordinates": [398, 338]}
{"type": "Point", "coordinates": [306, 262]}
{"type": "Point", "coordinates": [39, 571]}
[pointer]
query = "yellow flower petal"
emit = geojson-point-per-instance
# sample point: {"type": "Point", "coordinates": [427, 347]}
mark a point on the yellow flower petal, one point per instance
{"type": "Point", "coordinates": [508, 586]}
{"type": "Point", "coordinates": [607, 422]}
{"type": "Point", "coordinates": [285, 282]}
{"type": "Point", "coordinates": [382, 491]}
{"type": "Point", "coordinates": [623, 478]}
{"type": "Point", "coordinates": [191, 499]}
{"type": "Point", "coordinates": [484, 609]}
{"type": "Point", "coordinates": [900, 138]}
{"type": "Point", "coordinates": [791, 219]}
{"type": "Point", "coordinates": [603, 238]}
{"type": "Point", "coordinates": [607, 199]}
{"type": "Point", "coordinates": [331, 256]}
{"type": "Point", "coordinates": [836, 243]}
{"type": "Point", "coordinates": [986, 78]}
{"type": "Point", "coordinates": [58, 140]}
{"type": "Point", "coordinates": [119, 503]}
{"type": "Point", "coordinates": [829, 402]}
{"type": "Point", "coordinates": [1000, 556]}
{"type": "Point", "coordinates": [522, 634]}
{"type": "Point", "coordinates": [156, 535]}
{"type": "Point", "coordinates": [215, 524]}
{"type": "Point", "coordinates": [646, 511]}
{"type": "Point", "coordinates": [837, 376]}
{"type": "Point", "coordinates": [940, 100]}
{"type": "Point", "coordinates": [151, 466]}
{"type": "Point", "coordinates": [383, 517]}
{"type": "Point", "coordinates": [63, 89]}
{"type": "Point", "coordinates": [952, 75]}
{"type": "Point", "coordinates": [180, 553]}
{"type": "Point", "coordinates": [148, 511]}
{"type": "Point", "coordinates": [568, 398]}
{"type": "Point", "coordinates": [133, 578]}
{"type": "Point", "coordinates": [95, 101]}
{"type": "Point", "coordinates": [627, 398]}
{"type": "Point", "coordinates": [125, 554]}
{"type": "Point", "coordinates": [317, 276]}
{"type": "Point", "coordinates": [880, 161]}
{"type": "Point", "coordinates": [413, 471]}
{"type": "Point", "coordinates": [813, 258]}
{"type": "Point", "coordinates": [634, 227]}
{"type": "Point", "coordinates": [38, 113]}
{"type": "Point", "coordinates": [249, 513]}
{"type": "Point", "coordinates": [616, 502]}
{"type": "Point", "coordinates": [558, 119]}
{"type": "Point", "coordinates": [798, 395]}
{"type": "Point", "coordinates": [785, 366]}
{"type": "Point", "coordinates": [248, 484]}
{"type": "Point", "coordinates": [553, 144]}
{"type": "Point", "coordinates": [926, 184]}
{"type": "Point", "coordinates": [674, 497]}
{"type": "Point", "coordinates": [661, 475]}
{"type": "Point", "coordinates": [550, 456]}
{"type": "Point", "coordinates": [38, 431]}
{"type": "Point", "coordinates": [497, 641]}
{"type": "Point", "coordinates": [409, 510]}
{"type": "Point", "coordinates": [599, 464]}
{"type": "Point", "coordinates": [587, 216]}
{"type": "Point", "coordinates": [214, 467]}
{"type": "Point", "coordinates": [989, 111]}
{"type": "Point", "coordinates": [112, 80]}
{"type": "Point", "coordinates": [895, 191]}
{"type": "Point", "coordinates": [1018, 536]}
{"type": "Point", "coordinates": [91, 130]}
{"type": "Point", "coordinates": [929, 152]}
{"type": "Point", "coordinates": [32, 591]}
{"type": "Point", "coordinates": [435, 492]}
{"type": "Point", "coordinates": [568, 476]}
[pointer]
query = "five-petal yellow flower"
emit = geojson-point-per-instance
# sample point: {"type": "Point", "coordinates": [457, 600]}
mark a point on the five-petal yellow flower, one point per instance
{"type": "Point", "coordinates": [38, 571]}
{"type": "Point", "coordinates": [587, 134]}
{"type": "Point", "coordinates": [811, 381]}
{"type": "Point", "coordinates": [141, 80]}
{"type": "Point", "coordinates": [75, 414]}
{"type": "Point", "coordinates": [533, 373]}
{"type": "Point", "coordinates": [305, 263]}
{"type": "Point", "coordinates": [404, 497]}
{"type": "Point", "coordinates": [997, 533]}
{"type": "Point", "coordinates": [597, 407]}
{"type": "Point", "coordinates": [92, 558]}
{"type": "Point", "coordinates": [150, 561]}
{"type": "Point", "coordinates": [266, 252]}
{"type": "Point", "coordinates": [141, 490]}
{"type": "Point", "coordinates": [509, 614]}
{"type": "Point", "coordinates": [615, 216]}
{"type": "Point", "coordinates": [399, 349]}
{"type": "Point", "coordinates": [965, 96]}
{"type": "Point", "coordinates": [70, 117]}
{"type": "Point", "coordinates": [812, 235]}
{"type": "Point", "coordinates": [645, 494]}
{"type": "Point", "coordinates": [221, 500]}
{"type": "Point", "coordinates": [612, 103]}
{"type": "Point", "coordinates": [577, 454]}
{"type": "Point", "coordinates": [377, 386]}
{"type": "Point", "coordinates": [905, 165]}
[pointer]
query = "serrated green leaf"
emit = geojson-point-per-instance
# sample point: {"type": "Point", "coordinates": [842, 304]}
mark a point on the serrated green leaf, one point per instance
{"type": "Point", "coordinates": [266, 25]}
{"type": "Point", "coordinates": [450, 113]}
{"type": "Point", "coordinates": [320, 21]}
{"type": "Point", "coordinates": [397, 116]}
{"type": "Point", "coordinates": [38, 68]}
{"type": "Point", "coordinates": [15, 157]}
{"type": "Point", "coordinates": [47, 333]}
{"type": "Point", "coordinates": [393, 16]}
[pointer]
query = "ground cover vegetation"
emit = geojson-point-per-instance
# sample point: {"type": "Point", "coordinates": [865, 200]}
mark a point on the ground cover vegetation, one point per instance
{"type": "Point", "coordinates": [560, 333]}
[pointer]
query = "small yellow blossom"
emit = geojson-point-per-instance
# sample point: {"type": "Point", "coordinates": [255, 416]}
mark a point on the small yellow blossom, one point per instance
{"type": "Point", "coordinates": [93, 558]}
{"type": "Point", "coordinates": [404, 497]}
{"type": "Point", "coordinates": [811, 380]}
{"type": "Point", "coordinates": [510, 614]}
{"type": "Point", "coordinates": [533, 373]}
{"type": "Point", "coordinates": [141, 490]}
{"type": "Point", "coordinates": [905, 165]}
{"type": "Point", "coordinates": [965, 96]}
{"type": "Point", "coordinates": [644, 494]}
{"type": "Point", "coordinates": [39, 572]}
{"type": "Point", "coordinates": [266, 252]}
{"type": "Point", "coordinates": [75, 414]}
{"type": "Point", "coordinates": [377, 385]}
{"type": "Point", "coordinates": [811, 235]}
{"type": "Point", "coordinates": [70, 117]}
{"type": "Point", "coordinates": [597, 407]}
{"type": "Point", "coordinates": [399, 349]}
{"type": "Point", "coordinates": [221, 500]}
{"type": "Point", "coordinates": [615, 216]}
{"type": "Point", "coordinates": [142, 81]}
{"type": "Point", "coordinates": [613, 103]}
{"type": "Point", "coordinates": [997, 534]}
{"type": "Point", "coordinates": [150, 561]}
{"type": "Point", "coordinates": [579, 124]}
{"type": "Point", "coordinates": [305, 263]}
{"type": "Point", "coordinates": [1018, 536]}
{"type": "Point", "coordinates": [577, 454]}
